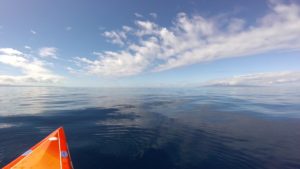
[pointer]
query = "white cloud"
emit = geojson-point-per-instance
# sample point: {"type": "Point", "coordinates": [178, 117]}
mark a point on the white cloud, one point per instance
{"type": "Point", "coordinates": [48, 52]}
{"type": "Point", "coordinates": [236, 24]}
{"type": "Point", "coordinates": [146, 28]}
{"type": "Point", "coordinates": [27, 47]}
{"type": "Point", "coordinates": [138, 15]}
{"type": "Point", "coordinates": [116, 37]}
{"type": "Point", "coordinates": [33, 70]}
{"type": "Point", "coordinates": [10, 51]}
{"type": "Point", "coordinates": [68, 28]}
{"type": "Point", "coordinates": [259, 79]}
{"type": "Point", "coordinates": [154, 15]}
{"type": "Point", "coordinates": [195, 39]}
{"type": "Point", "coordinates": [127, 28]}
{"type": "Point", "coordinates": [71, 70]}
{"type": "Point", "coordinates": [114, 64]}
{"type": "Point", "coordinates": [33, 32]}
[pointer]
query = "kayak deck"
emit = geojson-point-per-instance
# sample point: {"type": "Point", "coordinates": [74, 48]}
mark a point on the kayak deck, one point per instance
{"type": "Point", "coordinates": [50, 153]}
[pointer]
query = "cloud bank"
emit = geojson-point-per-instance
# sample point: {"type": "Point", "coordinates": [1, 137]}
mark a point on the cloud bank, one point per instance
{"type": "Point", "coordinates": [33, 70]}
{"type": "Point", "coordinates": [149, 47]}
{"type": "Point", "coordinates": [259, 79]}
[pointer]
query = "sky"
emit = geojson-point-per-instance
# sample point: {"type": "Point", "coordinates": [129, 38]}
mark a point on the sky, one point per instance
{"type": "Point", "coordinates": [134, 43]}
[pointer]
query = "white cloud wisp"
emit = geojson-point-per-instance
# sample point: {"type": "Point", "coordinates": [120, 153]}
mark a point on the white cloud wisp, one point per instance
{"type": "Point", "coordinates": [48, 52]}
{"type": "Point", "coordinates": [33, 32]}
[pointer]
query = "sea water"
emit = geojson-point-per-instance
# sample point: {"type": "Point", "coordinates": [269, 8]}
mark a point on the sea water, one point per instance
{"type": "Point", "coordinates": [157, 128]}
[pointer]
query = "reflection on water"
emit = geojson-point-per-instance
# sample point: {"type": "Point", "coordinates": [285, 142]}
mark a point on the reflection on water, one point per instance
{"type": "Point", "coordinates": [157, 128]}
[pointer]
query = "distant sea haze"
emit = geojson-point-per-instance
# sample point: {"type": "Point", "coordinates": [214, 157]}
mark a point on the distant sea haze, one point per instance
{"type": "Point", "coordinates": [179, 128]}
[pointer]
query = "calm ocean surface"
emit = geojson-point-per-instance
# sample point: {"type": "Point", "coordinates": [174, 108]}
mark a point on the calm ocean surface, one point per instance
{"type": "Point", "coordinates": [209, 128]}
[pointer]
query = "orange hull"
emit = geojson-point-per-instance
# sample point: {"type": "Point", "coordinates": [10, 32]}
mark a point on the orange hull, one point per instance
{"type": "Point", "coordinates": [51, 153]}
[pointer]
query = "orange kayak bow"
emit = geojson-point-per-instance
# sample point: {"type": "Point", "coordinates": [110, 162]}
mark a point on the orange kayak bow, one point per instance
{"type": "Point", "coordinates": [51, 153]}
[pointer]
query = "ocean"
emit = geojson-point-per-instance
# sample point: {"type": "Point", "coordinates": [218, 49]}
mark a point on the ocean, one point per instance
{"type": "Point", "coordinates": [157, 128]}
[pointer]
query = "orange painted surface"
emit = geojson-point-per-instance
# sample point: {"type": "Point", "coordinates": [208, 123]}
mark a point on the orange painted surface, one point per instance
{"type": "Point", "coordinates": [51, 153]}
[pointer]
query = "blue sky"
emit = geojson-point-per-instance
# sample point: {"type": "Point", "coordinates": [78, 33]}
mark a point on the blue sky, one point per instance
{"type": "Point", "coordinates": [133, 43]}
